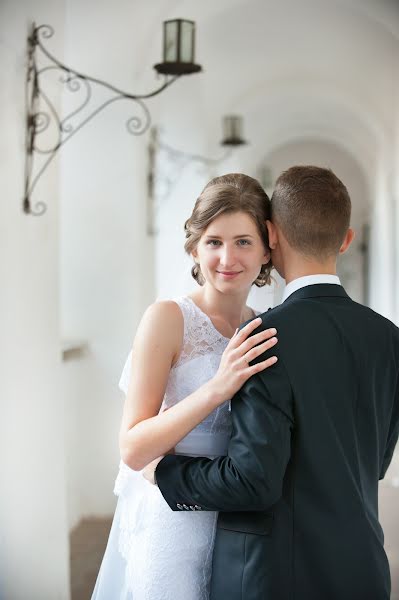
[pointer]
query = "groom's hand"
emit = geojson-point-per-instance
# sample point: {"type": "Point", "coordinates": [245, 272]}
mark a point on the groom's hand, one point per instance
{"type": "Point", "coordinates": [149, 471]}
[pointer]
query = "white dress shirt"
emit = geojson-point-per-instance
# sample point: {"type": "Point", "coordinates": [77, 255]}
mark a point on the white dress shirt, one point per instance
{"type": "Point", "coordinates": [300, 282]}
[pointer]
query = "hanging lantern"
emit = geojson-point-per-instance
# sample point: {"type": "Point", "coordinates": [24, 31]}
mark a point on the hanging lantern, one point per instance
{"type": "Point", "coordinates": [178, 48]}
{"type": "Point", "coordinates": [232, 131]}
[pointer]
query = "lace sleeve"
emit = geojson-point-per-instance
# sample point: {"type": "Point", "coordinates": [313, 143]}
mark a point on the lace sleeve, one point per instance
{"type": "Point", "coordinates": [125, 377]}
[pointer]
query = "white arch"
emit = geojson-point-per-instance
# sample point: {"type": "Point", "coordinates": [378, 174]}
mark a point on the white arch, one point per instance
{"type": "Point", "coordinates": [287, 111]}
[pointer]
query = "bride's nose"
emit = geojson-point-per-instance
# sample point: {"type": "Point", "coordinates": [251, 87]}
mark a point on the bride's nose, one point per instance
{"type": "Point", "coordinates": [227, 256]}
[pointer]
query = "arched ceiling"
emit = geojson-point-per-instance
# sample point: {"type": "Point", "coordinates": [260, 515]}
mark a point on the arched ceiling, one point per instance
{"type": "Point", "coordinates": [290, 48]}
{"type": "Point", "coordinates": [320, 68]}
{"type": "Point", "coordinates": [325, 69]}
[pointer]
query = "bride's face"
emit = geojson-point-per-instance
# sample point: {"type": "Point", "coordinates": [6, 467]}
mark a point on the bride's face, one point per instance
{"type": "Point", "coordinates": [231, 253]}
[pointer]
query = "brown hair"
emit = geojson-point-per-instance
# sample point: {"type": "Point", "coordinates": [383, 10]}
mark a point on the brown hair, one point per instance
{"type": "Point", "coordinates": [313, 208]}
{"type": "Point", "coordinates": [229, 193]}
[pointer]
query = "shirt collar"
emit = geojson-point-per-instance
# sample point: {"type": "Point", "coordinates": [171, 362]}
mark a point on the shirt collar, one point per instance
{"type": "Point", "coordinates": [300, 282]}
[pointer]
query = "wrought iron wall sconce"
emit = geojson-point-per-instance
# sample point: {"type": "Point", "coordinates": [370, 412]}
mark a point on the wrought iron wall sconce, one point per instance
{"type": "Point", "coordinates": [232, 138]}
{"type": "Point", "coordinates": [178, 60]}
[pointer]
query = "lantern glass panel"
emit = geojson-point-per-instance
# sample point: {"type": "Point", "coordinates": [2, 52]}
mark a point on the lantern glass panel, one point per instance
{"type": "Point", "coordinates": [232, 127]}
{"type": "Point", "coordinates": [226, 127]}
{"type": "Point", "coordinates": [170, 41]}
{"type": "Point", "coordinates": [187, 42]}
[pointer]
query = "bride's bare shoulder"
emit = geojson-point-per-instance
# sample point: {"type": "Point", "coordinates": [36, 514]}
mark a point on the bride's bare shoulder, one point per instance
{"type": "Point", "coordinates": [161, 310]}
{"type": "Point", "coordinates": [162, 326]}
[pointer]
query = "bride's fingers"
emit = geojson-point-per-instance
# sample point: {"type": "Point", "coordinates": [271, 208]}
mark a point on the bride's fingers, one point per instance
{"type": "Point", "coordinates": [261, 366]}
{"type": "Point", "coordinates": [258, 350]}
{"type": "Point", "coordinates": [239, 337]}
{"type": "Point", "coordinates": [256, 339]}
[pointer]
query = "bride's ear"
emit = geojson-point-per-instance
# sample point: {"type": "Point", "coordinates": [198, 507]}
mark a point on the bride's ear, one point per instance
{"type": "Point", "coordinates": [267, 256]}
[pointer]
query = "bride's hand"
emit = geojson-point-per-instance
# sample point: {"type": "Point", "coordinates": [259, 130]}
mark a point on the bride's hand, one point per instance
{"type": "Point", "coordinates": [234, 368]}
{"type": "Point", "coordinates": [149, 471]}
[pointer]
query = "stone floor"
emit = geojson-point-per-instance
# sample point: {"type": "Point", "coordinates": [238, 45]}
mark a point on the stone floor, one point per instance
{"type": "Point", "coordinates": [88, 542]}
{"type": "Point", "coordinates": [87, 545]}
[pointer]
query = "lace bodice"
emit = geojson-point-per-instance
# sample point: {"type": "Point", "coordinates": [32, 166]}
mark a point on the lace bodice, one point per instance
{"type": "Point", "coordinates": [199, 359]}
{"type": "Point", "coordinates": [200, 336]}
{"type": "Point", "coordinates": [147, 539]}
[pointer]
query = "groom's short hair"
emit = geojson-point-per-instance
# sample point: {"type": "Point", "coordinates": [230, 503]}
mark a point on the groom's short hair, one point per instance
{"type": "Point", "coordinates": [312, 207]}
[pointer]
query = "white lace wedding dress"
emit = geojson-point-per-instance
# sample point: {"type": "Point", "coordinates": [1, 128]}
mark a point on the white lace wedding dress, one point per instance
{"type": "Point", "coordinates": [154, 553]}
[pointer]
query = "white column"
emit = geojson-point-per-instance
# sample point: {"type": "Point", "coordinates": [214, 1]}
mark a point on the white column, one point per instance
{"type": "Point", "coordinates": [33, 527]}
{"type": "Point", "coordinates": [382, 246]}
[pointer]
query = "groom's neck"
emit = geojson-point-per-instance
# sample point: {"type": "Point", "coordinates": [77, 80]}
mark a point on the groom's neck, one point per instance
{"type": "Point", "coordinates": [297, 266]}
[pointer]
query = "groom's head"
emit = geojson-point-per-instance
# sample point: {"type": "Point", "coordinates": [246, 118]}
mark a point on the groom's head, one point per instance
{"type": "Point", "coordinates": [311, 211]}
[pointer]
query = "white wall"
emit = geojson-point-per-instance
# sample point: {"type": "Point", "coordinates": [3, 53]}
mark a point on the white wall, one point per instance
{"type": "Point", "coordinates": [33, 524]}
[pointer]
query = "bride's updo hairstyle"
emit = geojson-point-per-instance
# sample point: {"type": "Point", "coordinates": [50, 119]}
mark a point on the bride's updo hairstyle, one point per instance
{"type": "Point", "coordinates": [229, 193]}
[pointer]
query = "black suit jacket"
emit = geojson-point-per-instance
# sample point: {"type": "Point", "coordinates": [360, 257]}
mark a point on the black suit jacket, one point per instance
{"type": "Point", "coordinates": [298, 490]}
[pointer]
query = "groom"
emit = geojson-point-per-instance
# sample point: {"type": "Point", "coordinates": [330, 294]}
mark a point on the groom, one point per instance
{"type": "Point", "coordinates": [298, 490]}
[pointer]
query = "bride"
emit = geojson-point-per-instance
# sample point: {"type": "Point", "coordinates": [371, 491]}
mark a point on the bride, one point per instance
{"type": "Point", "coordinates": [188, 360]}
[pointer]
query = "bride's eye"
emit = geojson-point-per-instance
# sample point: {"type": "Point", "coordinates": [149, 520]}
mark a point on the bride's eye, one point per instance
{"type": "Point", "coordinates": [243, 242]}
{"type": "Point", "coordinates": [213, 242]}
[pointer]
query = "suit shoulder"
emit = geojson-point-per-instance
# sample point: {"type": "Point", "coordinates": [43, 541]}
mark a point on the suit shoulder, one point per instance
{"type": "Point", "coordinates": [376, 317]}
{"type": "Point", "coordinates": [273, 315]}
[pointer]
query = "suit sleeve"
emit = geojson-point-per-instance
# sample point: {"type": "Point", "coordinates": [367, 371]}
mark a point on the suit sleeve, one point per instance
{"type": "Point", "coordinates": [250, 477]}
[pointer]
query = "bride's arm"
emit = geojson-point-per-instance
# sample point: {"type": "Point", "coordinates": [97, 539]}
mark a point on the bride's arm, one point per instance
{"type": "Point", "coordinates": [145, 433]}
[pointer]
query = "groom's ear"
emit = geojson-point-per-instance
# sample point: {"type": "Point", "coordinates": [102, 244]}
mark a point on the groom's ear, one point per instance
{"type": "Point", "coordinates": [272, 233]}
{"type": "Point", "coordinates": [348, 239]}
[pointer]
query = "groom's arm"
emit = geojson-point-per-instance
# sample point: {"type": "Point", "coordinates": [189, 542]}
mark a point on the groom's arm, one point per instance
{"type": "Point", "coordinates": [250, 477]}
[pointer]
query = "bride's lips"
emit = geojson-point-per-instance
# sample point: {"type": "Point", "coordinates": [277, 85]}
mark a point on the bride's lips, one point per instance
{"type": "Point", "coordinates": [229, 274]}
